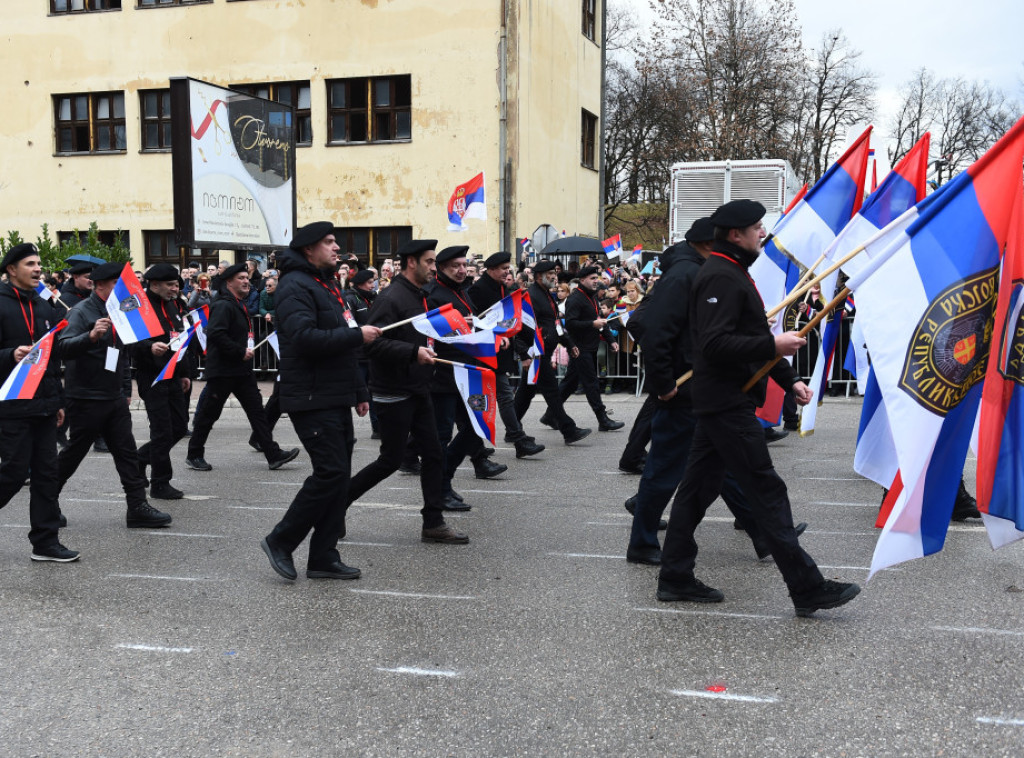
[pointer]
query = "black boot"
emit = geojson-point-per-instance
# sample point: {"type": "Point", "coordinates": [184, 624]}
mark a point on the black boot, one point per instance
{"type": "Point", "coordinates": [485, 469]}
{"type": "Point", "coordinates": [605, 424]}
{"type": "Point", "coordinates": [527, 446]}
{"type": "Point", "coordinates": [965, 506]}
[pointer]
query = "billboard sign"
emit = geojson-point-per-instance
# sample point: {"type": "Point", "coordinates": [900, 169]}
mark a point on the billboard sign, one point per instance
{"type": "Point", "coordinates": [233, 162]}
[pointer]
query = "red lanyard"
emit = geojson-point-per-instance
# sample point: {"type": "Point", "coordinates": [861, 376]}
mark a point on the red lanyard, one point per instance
{"type": "Point", "coordinates": [456, 293]}
{"type": "Point", "coordinates": [335, 293]}
{"type": "Point", "coordinates": [597, 311]}
{"type": "Point", "coordinates": [30, 317]}
{"type": "Point", "coordinates": [244, 312]}
{"type": "Point", "coordinates": [746, 273]}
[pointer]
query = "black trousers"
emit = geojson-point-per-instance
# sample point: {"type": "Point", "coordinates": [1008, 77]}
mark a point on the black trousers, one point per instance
{"type": "Point", "coordinates": [320, 505]}
{"type": "Point", "coordinates": [450, 412]}
{"type": "Point", "coordinates": [640, 434]}
{"type": "Point", "coordinates": [167, 410]}
{"type": "Point", "coordinates": [734, 441]}
{"type": "Point", "coordinates": [415, 416]}
{"type": "Point", "coordinates": [111, 419]}
{"type": "Point", "coordinates": [31, 444]}
{"type": "Point", "coordinates": [272, 410]}
{"type": "Point", "coordinates": [547, 385]}
{"type": "Point", "coordinates": [583, 371]}
{"type": "Point", "coordinates": [214, 396]}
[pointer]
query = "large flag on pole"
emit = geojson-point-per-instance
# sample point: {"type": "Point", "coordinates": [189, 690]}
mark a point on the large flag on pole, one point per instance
{"type": "Point", "coordinates": [131, 311]}
{"type": "Point", "coordinates": [613, 246]}
{"type": "Point", "coordinates": [929, 356]}
{"type": "Point", "coordinates": [478, 390]}
{"type": "Point", "coordinates": [24, 379]}
{"type": "Point", "coordinates": [467, 201]}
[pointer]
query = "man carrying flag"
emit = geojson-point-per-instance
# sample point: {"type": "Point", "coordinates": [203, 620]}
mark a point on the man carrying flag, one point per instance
{"type": "Point", "coordinates": [98, 384]}
{"type": "Point", "coordinates": [166, 401]}
{"type": "Point", "coordinates": [29, 438]}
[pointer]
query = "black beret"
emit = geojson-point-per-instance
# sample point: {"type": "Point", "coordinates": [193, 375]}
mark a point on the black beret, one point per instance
{"type": "Point", "coordinates": [702, 230]}
{"type": "Point", "coordinates": [416, 248]}
{"type": "Point", "coordinates": [542, 267]}
{"type": "Point", "coordinates": [238, 268]}
{"type": "Point", "coordinates": [587, 271]}
{"type": "Point", "coordinates": [107, 271]}
{"type": "Point", "coordinates": [738, 214]}
{"type": "Point", "coordinates": [451, 253]}
{"type": "Point", "coordinates": [17, 253]}
{"type": "Point", "coordinates": [81, 267]}
{"type": "Point", "coordinates": [498, 259]}
{"type": "Point", "coordinates": [363, 276]}
{"type": "Point", "coordinates": [310, 234]}
{"type": "Point", "coordinates": [162, 272]}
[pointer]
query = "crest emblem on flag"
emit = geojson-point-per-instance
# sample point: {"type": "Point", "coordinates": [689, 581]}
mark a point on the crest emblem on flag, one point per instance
{"type": "Point", "coordinates": [130, 303]}
{"type": "Point", "coordinates": [477, 403]}
{"type": "Point", "coordinates": [944, 361]}
{"type": "Point", "coordinates": [33, 357]}
{"type": "Point", "coordinates": [1011, 346]}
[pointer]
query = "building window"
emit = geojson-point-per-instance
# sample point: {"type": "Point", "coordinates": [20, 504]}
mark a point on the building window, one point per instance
{"type": "Point", "coordinates": [374, 109]}
{"type": "Point", "coordinates": [107, 238]}
{"type": "Point", "coordinates": [590, 19]}
{"type": "Point", "coordinates": [372, 244]}
{"type": "Point", "coordinates": [295, 94]}
{"type": "Point", "coordinates": [83, 6]}
{"type": "Point", "coordinates": [589, 139]}
{"type": "Point", "coordinates": [157, 3]}
{"type": "Point", "coordinates": [90, 123]}
{"type": "Point", "coordinates": [155, 110]}
{"type": "Point", "coordinates": [160, 247]}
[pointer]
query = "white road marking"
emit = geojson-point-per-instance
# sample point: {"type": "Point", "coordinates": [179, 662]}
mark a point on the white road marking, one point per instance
{"type": "Point", "coordinates": [367, 544]}
{"type": "Point", "coordinates": [257, 507]}
{"type": "Point", "coordinates": [417, 595]}
{"type": "Point", "coordinates": [845, 505]}
{"type": "Point", "coordinates": [846, 534]}
{"type": "Point", "coordinates": [419, 672]}
{"type": "Point", "coordinates": [723, 696]}
{"type": "Point", "coordinates": [166, 578]}
{"type": "Point", "coordinates": [852, 568]}
{"type": "Point", "coordinates": [830, 479]}
{"type": "Point", "coordinates": [588, 555]}
{"type": "Point", "coordinates": [200, 497]}
{"type": "Point", "coordinates": [156, 648]}
{"type": "Point", "coordinates": [999, 721]}
{"type": "Point", "coordinates": [388, 506]}
{"type": "Point", "coordinates": [606, 523]}
{"type": "Point", "coordinates": [978, 630]}
{"type": "Point", "coordinates": [84, 500]}
{"type": "Point", "coordinates": [15, 526]}
{"type": "Point", "coordinates": [501, 492]}
{"type": "Point", "coordinates": [282, 484]}
{"type": "Point", "coordinates": [162, 533]}
{"type": "Point", "coordinates": [726, 614]}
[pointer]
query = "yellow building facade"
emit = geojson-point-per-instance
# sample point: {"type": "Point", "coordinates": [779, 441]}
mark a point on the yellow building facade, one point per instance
{"type": "Point", "coordinates": [397, 102]}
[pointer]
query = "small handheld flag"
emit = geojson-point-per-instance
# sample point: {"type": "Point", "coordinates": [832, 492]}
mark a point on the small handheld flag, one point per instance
{"type": "Point", "coordinates": [180, 347]}
{"type": "Point", "coordinates": [200, 317]}
{"type": "Point", "coordinates": [23, 381]}
{"type": "Point", "coordinates": [505, 316]}
{"type": "Point", "coordinates": [131, 311]}
{"type": "Point", "coordinates": [441, 323]}
{"type": "Point", "coordinates": [613, 246]}
{"type": "Point", "coordinates": [481, 345]}
{"type": "Point", "coordinates": [43, 291]}
{"type": "Point", "coordinates": [478, 389]}
{"type": "Point", "coordinates": [467, 201]}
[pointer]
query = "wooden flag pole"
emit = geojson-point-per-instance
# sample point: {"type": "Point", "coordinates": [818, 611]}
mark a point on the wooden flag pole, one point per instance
{"type": "Point", "coordinates": [810, 272]}
{"type": "Point", "coordinates": [803, 333]}
{"type": "Point", "coordinates": [401, 323]}
{"type": "Point", "coordinates": [800, 290]}
{"type": "Point", "coordinates": [264, 340]}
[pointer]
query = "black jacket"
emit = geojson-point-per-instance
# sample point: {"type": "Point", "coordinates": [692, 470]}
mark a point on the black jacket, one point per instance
{"type": "Point", "coordinates": [172, 319]}
{"type": "Point", "coordinates": [319, 350]}
{"type": "Point", "coordinates": [545, 310]}
{"type": "Point", "coordinates": [446, 291]}
{"type": "Point", "coordinates": [359, 303]}
{"type": "Point", "coordinates": [581, 309]}
{"type": "Point", "coordinates": [85, 373]}
{"type": "Point", "coordinates": [485, 292]}
{"type": "Point", "coordinates": [17, 309]}
{"type": "Point", "coordinates": [394, 369]}
{"type": "Point", "coordinates": [227, 336]}
{"type": "Point", "coordinates": [730, 333]}
{"type": "Point", "coordinates": [666, 342]}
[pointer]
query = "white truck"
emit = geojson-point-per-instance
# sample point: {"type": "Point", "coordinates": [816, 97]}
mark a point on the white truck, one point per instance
{"type": "Point", "coordinates": [698, 187]}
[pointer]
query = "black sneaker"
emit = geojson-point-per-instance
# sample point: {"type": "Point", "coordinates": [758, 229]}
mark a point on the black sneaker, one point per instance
{"type": "Point", "coordinates": [165, 491]}
{"type": "Point", "coordinates": [828, 594]}
{"type": "Point", "coordinates": [55, 552]}
{"type": "Point", "coordinates": [694, 591]}
{"type": "Point", "coordinates": [145, 516]}
{"type": "Point", "coordinates": [286, 456]}
{"type": "Point", "coordinates": [198, 464]}
{"type": "Point", "coordinates": [575, 435]}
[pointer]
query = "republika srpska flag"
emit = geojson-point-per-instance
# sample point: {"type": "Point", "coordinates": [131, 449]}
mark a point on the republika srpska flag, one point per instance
{"type": "Point", "coordinates": [23, 381]}
{"type": "Point", "coordinates": [536, 351]}
{"type": "Point", "coordinates": [504, 317]}
{"type": "Point", "coordinates": [481, 345]}
{"type": "Point", "coordinates": [131, 311]}
{"type": "Point", "coordinates": [441, 323]}
{"type": "Point", "coordinates": [467, 201]}
{"type": "Point", "coordinates": [179, 346]}
{"type": "Point", "coordinates": [930, 354]}
{"type": "Point", "coordinates": [200, 317]}
{"type": "Point", "coordinates": [478, 390]}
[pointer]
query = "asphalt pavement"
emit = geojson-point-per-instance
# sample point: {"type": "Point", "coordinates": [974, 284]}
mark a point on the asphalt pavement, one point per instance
{"type": "Point", "coordinates": [535, 639]}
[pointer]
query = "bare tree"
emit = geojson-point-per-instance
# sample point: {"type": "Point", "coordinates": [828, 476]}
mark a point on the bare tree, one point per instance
{"type": "Point", "coordinates": [914, 115]}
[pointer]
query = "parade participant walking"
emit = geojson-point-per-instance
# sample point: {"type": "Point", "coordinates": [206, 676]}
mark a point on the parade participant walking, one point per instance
{"type": "Point", "coordinates": [229, 371]}
{"type": "Point", "coordinates": [320, 385]}
{"type": "Point", "coordinates": [401, 369]}
{"type": "Point", "coordinates": [29, 438]}
{"type": "Point", "coordinates": [451, 288]}
{"type": "Point", "coordinates": [98, 385]}
{"type": "Point", "coordinates": [485, 292]}
{"type": "Point", "coordinates": [359, 297]}
{"type": "Point", "coordinates": [166, 401]}
{"type": "Point", "coordinates": [553, 334]}
{"type": "Point", "coordinates": [587, 329]}
{"type": "Point", "coordinates": [731, 339]}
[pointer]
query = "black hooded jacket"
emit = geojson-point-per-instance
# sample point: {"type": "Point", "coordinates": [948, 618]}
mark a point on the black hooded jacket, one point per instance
{"type": "Point", "coordinates": [18, 308]}
{"type": "Point", "coordinates": [227, 337]}
{"type": "Point", "coordinates": [394, 368]}
{"type": "Point", "coordinates": [581, 310]}
{"type": "Point", "coordinates": [85, 362]}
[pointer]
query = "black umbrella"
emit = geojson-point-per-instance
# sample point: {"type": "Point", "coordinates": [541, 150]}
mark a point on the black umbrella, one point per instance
{"type": "Point", "coordinates": [83, 258]}
{"type": "Point", "coordinates": [576, 245]}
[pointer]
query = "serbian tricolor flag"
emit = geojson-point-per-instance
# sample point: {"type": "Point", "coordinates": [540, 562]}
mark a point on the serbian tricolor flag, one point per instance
{"type": "Point", "coordinates": [930, 354]}
{"type": "Point", "coordinates": [536, 351]}
{"type": "Point", "coordinates": [1001, 421]}
{"type": "Point", "coordinates": [613, 246]}
{"type": "Point", "coordinates": [43, 291]}
{"type": "Point", "coordinates": [504, 317]}
{"type": "Point", "coordinates": [23, 381]}
{"type": "Point", "coordinates": [477, 387]}
{"type": "Point", "coordinates": [467, 201]}
{"type": "Point", "coordinates": [179, 346]}
{"type": "Point", "coordinates": [131, 311]}
{"type": "Point", "coordinates": [441, 323]}
{"type": "Point", "coordinates": [200, 317]}
{"type": "Point", "coordinates": [481, 345]}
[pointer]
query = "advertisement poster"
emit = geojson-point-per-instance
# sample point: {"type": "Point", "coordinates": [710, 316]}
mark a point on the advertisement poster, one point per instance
{"type": "Point", "coordinates": [234, 168]}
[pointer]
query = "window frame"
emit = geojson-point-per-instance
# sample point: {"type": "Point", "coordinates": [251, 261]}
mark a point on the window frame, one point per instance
{"type": "Point", "coordinates": [398, 84]}
{"type": "Point", "coordinates": [168, 3]}
{"type": "Point", "coordinates": [69, 11]}
{"type": "Point", "coordinates": [589, 26]}
{"type": "Point", "coordinates": [162, 121]}
{"type": "Point", "coordinates": [396, 236]}
{"type": "Point", "coordinates": [104, 236]}
{"type": "Point", "coordinates": [91, 122]}
{"type": "Point", "coordinates": [302, 115]}
{"type": "Point", "coordinates": [588, 139]}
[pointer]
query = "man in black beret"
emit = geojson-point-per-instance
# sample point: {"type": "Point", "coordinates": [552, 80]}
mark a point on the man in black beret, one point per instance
{"type": "Point", "coordinates": [553, 334]}
{"type": "Point", "coordinates": [489, 289]}
{"type": "Point", "coordinates": [401, 369]}
{"type": "Point", "coordinates": [731, 340]}
{"type": "Point", "coordinates": [230, 345]}
{"type": "Point", "coordinates": [587, 329]}
{"type": "Point", "coordinates": [98, 385]}
{"type": "Point", "coordinates": [452, 288]}
{"type": "Point", "coordinates": [29, 438]}
{"type": "Point", "coordinates": [78, 287]}
{"type": "Point", "coordinates": [166, 401]}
